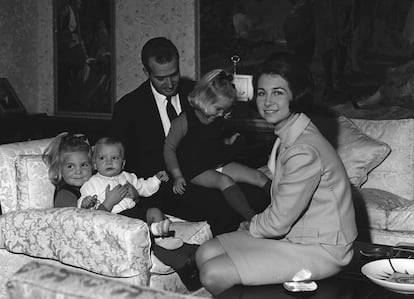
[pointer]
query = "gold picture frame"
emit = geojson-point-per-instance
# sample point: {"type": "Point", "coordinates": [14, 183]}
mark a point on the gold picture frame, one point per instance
{"type": "Point", "coordinates": [84, 35]}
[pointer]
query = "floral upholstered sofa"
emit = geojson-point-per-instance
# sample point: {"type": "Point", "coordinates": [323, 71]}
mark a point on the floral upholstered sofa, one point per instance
{"type": "Point", "coordinates": [94, 244]}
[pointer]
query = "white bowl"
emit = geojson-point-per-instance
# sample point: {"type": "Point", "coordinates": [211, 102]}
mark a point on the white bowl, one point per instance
{"type": "Point", "coordinates": [381, 273]}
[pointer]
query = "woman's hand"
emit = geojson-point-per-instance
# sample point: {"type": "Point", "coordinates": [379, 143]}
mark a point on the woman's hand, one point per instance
{"type": "Point", "coordinates": [179, 185]}
{"type": "Point", "coordinates": [162, 176]}
{"type": "Point", "coordinates": [114, 196]}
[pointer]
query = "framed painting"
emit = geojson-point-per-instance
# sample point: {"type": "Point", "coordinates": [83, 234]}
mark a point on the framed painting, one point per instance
{"type": "Point", "coordinates": [250, 29]}
{"type": "Point", "coordinates": [9, 102]}
{"type": "Point", "coordinates": [84, 58]}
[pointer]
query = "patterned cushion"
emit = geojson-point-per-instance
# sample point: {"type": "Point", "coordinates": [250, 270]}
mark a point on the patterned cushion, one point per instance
{"type": "Point", "coordinates": [34, 190]}
{"type": "Point", "coordinates": [101, 242]}
{"type": "Point", "coordinates": [396, 173]}
{"type": "Point", "coordinates": [359, 152]}
{"type": "Point", "coordinates": [379, 209]}
{"type": "Point", "coordinates": [40, 280]}
{"type": "Point", "coordinates": [8, 156]}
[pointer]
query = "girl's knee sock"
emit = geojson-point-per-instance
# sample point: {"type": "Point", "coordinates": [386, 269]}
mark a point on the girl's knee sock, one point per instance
{"type": "Point", "coordinates": [176, 258]}
{"type": "Point", "coordinates": [238, 201]}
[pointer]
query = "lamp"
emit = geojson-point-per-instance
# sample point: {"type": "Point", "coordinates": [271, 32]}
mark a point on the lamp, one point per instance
{"type": "Point", "coordinates": [242, 83]}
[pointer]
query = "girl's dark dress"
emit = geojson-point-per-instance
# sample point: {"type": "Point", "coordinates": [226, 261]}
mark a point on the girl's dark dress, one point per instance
{"type": "Point", "coordinates": [203, 147]}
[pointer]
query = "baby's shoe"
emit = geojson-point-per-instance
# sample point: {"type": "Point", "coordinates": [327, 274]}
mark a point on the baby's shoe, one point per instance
{"type": "Point", "coordinates": [159, 230]}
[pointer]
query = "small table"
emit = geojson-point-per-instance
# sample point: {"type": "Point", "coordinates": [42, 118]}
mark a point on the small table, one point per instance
{"type": "Point", "coordinates": [348, 284]}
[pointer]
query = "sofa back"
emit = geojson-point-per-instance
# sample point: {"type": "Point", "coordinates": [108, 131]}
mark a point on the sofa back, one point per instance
{"type": "Point", "coordinates": [396, 173]}
{"type": "Point", "coordinates": [24, 180]}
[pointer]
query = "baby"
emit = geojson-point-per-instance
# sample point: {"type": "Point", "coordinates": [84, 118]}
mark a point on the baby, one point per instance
{"type": "Point", "coordinates": [108, 160]}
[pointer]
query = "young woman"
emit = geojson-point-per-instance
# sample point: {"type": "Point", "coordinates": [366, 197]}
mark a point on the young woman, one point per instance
{"type": "Point", "coordinates": [310, 224]}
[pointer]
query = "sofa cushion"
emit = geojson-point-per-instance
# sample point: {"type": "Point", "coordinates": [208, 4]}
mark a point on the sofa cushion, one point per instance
{"type": "Point", "coordinates": [98, 241]}
{"type": "Point", "coordinates": [396, 173]}
{"type": "Point", "coordinates": [8, 155]}
{"type": "Point", "coordinates": [359, 152]}
{"type": "Point", "coordinates": [40, 280]}
{"type": "Point", "coordinates": [379, 209]}
{"type": "Point", "coordinates": [34, 190]}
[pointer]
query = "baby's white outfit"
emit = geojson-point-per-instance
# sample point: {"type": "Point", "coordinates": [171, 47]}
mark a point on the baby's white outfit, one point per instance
{"type": "Point", "coordinates": [96, 185]}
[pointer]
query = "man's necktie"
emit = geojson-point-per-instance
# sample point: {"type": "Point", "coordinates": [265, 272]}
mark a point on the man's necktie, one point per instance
{"type": "Point", "coordinates": [170, 109]}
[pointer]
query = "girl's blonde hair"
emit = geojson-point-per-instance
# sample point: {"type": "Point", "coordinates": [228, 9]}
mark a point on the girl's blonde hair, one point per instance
{"type": "Point", "coordinates": [214, 85]}
{"type": "Point", "coordinates": [63, 143]}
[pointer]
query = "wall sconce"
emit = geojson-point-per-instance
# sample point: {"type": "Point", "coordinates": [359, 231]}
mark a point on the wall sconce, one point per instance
{"type": "Point", "coordinates": [242, 83]}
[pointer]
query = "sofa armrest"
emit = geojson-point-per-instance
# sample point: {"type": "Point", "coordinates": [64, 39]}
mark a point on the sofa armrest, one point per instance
{"type": "Point", "coordinates": [40, 280]}
{"type": "Point", "coordinates": [97, 241]}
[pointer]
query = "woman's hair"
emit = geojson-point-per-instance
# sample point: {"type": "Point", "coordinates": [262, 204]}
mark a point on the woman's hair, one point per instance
{"type": "Point", "coordinates": [109, 141]}
{"type": "Point", "coordinates": [296, 74]}
{"type": "Point", "coordinates": [214, 85]}
{"type": "Point", "coordinates": [63, 143]}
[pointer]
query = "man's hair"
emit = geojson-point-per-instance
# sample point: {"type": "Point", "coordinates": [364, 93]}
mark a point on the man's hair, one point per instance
{"type": "Point", "coordinates": [161, 49]}
{"type": "Point", "coordinates": [109, 141]}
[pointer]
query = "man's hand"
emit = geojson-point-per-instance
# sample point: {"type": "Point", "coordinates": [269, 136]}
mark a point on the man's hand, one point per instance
{"type": "Point", "coordinates": [179, 185]}
{"type": "Point", "coordinates": [162, 176]}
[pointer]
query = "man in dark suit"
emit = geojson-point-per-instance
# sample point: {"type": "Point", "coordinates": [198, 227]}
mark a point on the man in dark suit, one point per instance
{"type": "Point", "coordinates": [141, 121]}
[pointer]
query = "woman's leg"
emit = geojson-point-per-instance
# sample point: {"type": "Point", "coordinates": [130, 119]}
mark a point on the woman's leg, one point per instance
{"type": "Point", "coordinates": [232, 193]}
{"type": "Point", "coordinates": [217, 271]}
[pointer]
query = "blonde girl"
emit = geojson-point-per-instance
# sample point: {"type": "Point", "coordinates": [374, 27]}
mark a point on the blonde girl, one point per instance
{"type": "Point", "coordinates": [196, 149]}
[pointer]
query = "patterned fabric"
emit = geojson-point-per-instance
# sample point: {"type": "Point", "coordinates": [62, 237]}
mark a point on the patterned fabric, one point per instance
{"type": "Point", "coordinates": [396, 173]}
{"type": "Point", "coordinates": [39, 280]}
{"type": "Point", "coordinates": [8, 156]}
{"type": "Point", "coordinates": [34, 190]}
{"type": "Point", "coordinates": [379, 209]}
{"type": "Point", "coordinates": [359, 152]}
{"type": "Point", "coordinates": [101, 242]}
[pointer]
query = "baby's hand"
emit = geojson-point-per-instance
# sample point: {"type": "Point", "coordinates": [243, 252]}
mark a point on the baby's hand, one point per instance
{"type": "Point", "coordinates": [232, 139]}
{"type": "Point", "coordinates": [89, 202]}
{"type": "Point", "coordinates": [179, 185]}
{"type": "Point", "coordinates": [162, 176]}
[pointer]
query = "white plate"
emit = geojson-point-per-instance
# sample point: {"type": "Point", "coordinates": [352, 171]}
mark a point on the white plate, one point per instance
{"type": "Point", "coordinates": [381, 273]}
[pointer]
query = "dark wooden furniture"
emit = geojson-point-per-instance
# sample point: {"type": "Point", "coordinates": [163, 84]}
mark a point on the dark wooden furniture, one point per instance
{"type": "Point", "coordinates": [21, 127]}
{"type": "Point", "coordinates": [16, 128]}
